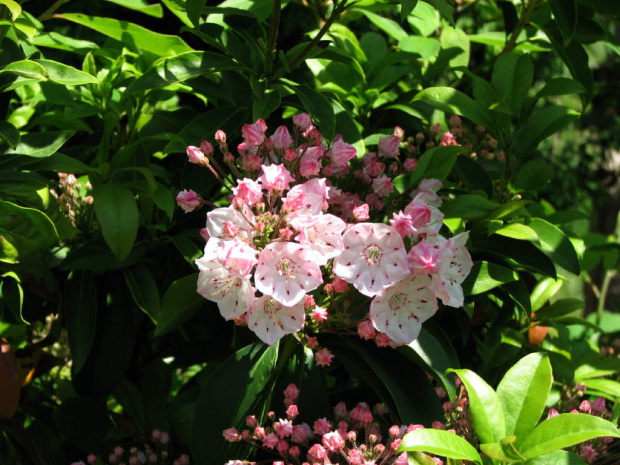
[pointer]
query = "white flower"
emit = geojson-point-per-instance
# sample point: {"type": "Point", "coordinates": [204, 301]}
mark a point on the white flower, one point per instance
{"type": "Point", "coordinates": [271, 320]}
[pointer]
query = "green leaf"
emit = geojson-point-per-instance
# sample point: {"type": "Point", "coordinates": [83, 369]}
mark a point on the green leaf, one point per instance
{"type": "Point", "coordinates": [485, 276]}
{"type": "Point", "coordinates": [512, 78]}
{"type": "Point", "coordinates": [597, 368]}
{"type": "Point", "coordinates": [436, 163]}
{"type": "Point", "coordinates": [265, 105]}
{"type": "Point", "coordinates": [518, 231]}
{"type": "Point", "coordinates": [556, 245]}
{"type": "Point", "coordinates": [9, 134]}
{"type": "Point", "coordinates": [164, 199]}
{"type": "Point", "coordinates": [469, 207]}
{"type": "Point", "coordinates": [454, 38]}
{"type": "Point", "coordinates": [117, 213]}
{"type": "Point", "coordinates": [607, 386]}
{"type": "Point", "coordinates": [560, 86]}
{"type": "Point", "coordinates": [532, 176]}
{"type": "Point", "coordinates": [12, 295]}
{"type": "Point", "coordinates": [132, 35]}
{"type": "Point", "coordinates": [452, 101]}
{"type": "Point", "coordinates": [24, 232]}
{"type": "Point", "coordinates": [26, 69]}
{"type": "Point", "coordinates": [426, 47]}
{"type": "Point", "coordinates": [406, 7]}
{"type": "Point", "coordinates": [504, 451]}
{"type": "Point", "coordinates": [560, 308]}
{"type": "Point", "coordinates": [345, 125]}
{"type": "Point", "coordinates": [142, 6]}
{"type": "Point", "coordinates": [388, 26]}
{"type": "Point", "coordinates": [485, 406]}
{"type": "Point", "coordinates": [61, 42]}
{"type": "Point", "coordinates": [318, 107]}
{"type": "Point", "coordinates": [445, 9]}
{"type": "Point", "coordinates": [14, 7]}
{"type": "Point", "coordinates": [65, 75]}
{"type": "Point", "coordinates": [143, 289]}
{"type": "Point", "coordinates": [241, 385]}
{"type": "Point", "coordinates": [542, 124]}
{"type": "Point", "coordinates": [180, 68]}
{"type": "Point", "coordinates": [565, 13]}
{"type": "Point", "coordinates": [523, 392]}
{"type": "Point", "coordinates": [436, 356]}
{"type": "Point", "coordinates": [559, 457]}
{"type": "Point", "coordinates": [181, 301]}
{"type": "Point", "coordinates": [439, 442]}
{"type": "Point", "coordinates": [80, 315]}
{"type": "Point", "coordinates": [194, 10]}
{"type": "Point", "coordinates": [39, 144]}
{"type": "Point", "coordinates": [565, 430]}
{"type": "Point", "coordinates": [473, 176]}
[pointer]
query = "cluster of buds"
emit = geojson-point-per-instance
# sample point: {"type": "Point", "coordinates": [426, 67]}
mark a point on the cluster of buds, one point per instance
{"type": "Point", "coordinates": [156, 452]}
{"type": "Point", "coordinates": [296, 246]}
{"type": "Point", "coordinates": [598, 448]}
{"type": "Point", "coordinates": [457, 414]}
{"type": "Point", "coordinates": [73, 199]}
{"type": "Point", "coordinates": [479, 143]}
{"type": "Point", "coordinates": [353, 437]}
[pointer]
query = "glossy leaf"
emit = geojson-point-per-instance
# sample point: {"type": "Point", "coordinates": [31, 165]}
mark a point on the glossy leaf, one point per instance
{"type": "Point", "coordinates": [436, 163]}
{"type": "Point", "coordinates": [117, 213]}
{"type": "Point", "coordinates": [132, 35]}
{"type": "Point", "coordinates": [80, 314]}
{"type": "Point", "coordinates": [143, 289]}
{"type": "Point", "coordinates": [542, 124]}
{"type": "Point", "coordinates": [39, 144]}
{"type": "Point", "coordinates": [439, 442]}
{"type": "Point", "coordinates": [523, 392]}
{"type": "Point", "coordinates": [606, 386]}
{"type": "Point", "coordinates": [180, 302]}
{"type": "Point", "coordinates": [9, 134]}
{"type": "Point", "coordinates": [512, 78]}
{"type": "Point", "coordinates": [518, 231]}
{"type": "Point", "coordinates": [239, 385]}
{"type": "Point", "coordinates": [23, 232]}
{"type": "Point", "coordinates": [469, 207]}
{"type": "Point", "coordinates": [560, 86]}
{"type": "Point", "coordinates": [473, 176]}
{"type": "Point", "coordinates": [26, 69]}
{"type": "Point", "coordinates": [485, 276]}
{"type": "Point", "coordinates": [318, 107]}
{"type": "Point", "coordinates": [556, 244]}
{"type": "Point", "coordinates": [503, 451]}
{"type": "Point", "coordinates": [142, 6]}
{"type": "Point", "coordinates": [14, 7]}
{"type": "Point", "coordinates": [180, 68]}
{"type": "Point", "coordinates": [563, 431]}
{"type": "Point", "coordinates": [558, 457]}
{"type": "Point", "coordinates": [560, 308]}
{"type": "Point", "coordinates": [451, 101]}
{"type": "Point", "coordinates": [388, 26]}
{"type": "Point", "coordinates": [485, 406]}
{"type": "Point", "coordinates": [65, 75]}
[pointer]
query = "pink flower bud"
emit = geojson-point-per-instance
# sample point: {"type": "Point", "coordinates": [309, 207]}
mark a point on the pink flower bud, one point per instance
{"type": "Point", "coordinates": [322, 426]}
{"type": "Point", "coordinates": [189, 200]}
{"type": "Point", "coordinates": [319, 314]}
{"type": "Point", "coordinates": [294, 452]}
{"type": "Point", "coordinates": [302, 122]}
{"type": "Point", "coordinates": [388, 146]}
{"type": "Point", "coordinates": [196, 156]}
{"type": "Point", "coordinates": [438, 425]}
{"type": "Point", "coordinates": [323, 357]}
{"type": "Point", "coordinates": [251, 421]}
{"type": "Point", "coordinates": [585, 407]}
{"type": "Point", "coordinates": [231, 434]}
{"type": "Point", "coordinates": [366, 330]}
{"type": "Point", "coordinates": [340, 410]}
{"type": "Point", "coordinates": [165, 438]}
{"type": "Point", "coordinates": [91, 459]}
{"type": "Point", "coordinates": [332, 441]}
{"type": "Point", "coordinates": [292, 412]}
{"type": "Point", "coordinates": [220, 136]}
{"type": "Point", "coordinates": [361, 213]}
{"type": "Point", "coordinates": [270, 441]}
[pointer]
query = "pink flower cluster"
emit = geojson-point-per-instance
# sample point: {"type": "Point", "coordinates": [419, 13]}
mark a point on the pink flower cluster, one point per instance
{"type": "Point", "coordinates": [291, 234]}
{"type": "Point", "coordinates": [351, 436]}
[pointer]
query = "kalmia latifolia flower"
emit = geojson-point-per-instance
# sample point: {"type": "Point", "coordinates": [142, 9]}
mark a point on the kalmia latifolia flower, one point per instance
{"type": "Point", "coordinates": [296, 251]}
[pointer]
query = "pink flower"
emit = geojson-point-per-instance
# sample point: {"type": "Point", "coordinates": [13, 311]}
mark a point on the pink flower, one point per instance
{"type": "Point", "coordinates": [401, 459]}
{"type": "Point", "coordinates": [317, 452]}
{"type": "Point", "coordinates": [302, 122]}
{"type": "Point", "coordinates": [253, 134]}
{"type": "Point", "coordinates": [271, 320]}
{"type": "Point", "coordinates": [291, 392]}
{"type": "Point", "coordinates": [332, 441]}
{"type": "Point", "coordinates": [301, 433]}
{"type": "Point", "coordinates": [388, 146]}
{"type": "Point", "coordinates": [248, 191]}
{"type": "Point", "coordinates": [320, 233]}
{"type": "Point", "coordinates": [231, 435]}
{"type": "Point", "coordinates": [251, 421]}
{"type": "Point", "coordinates": [399, 310]}
{"type": "Point", "coordinates": [585, 407]}
{"type": "Point", "coordinates": [323, 357]}
{"type": "Point", "coordinates": [270, 441]}
{"type": "Point", "coordinates": [374, 258]}
{"type": "Point", "coordinates": [292, 411]}
{"type": "Point", "coordinates": [275, 178]}
{"type": "Point", "coordinates": [341, 153]}
{"type": "Point", "coordinates": [322, 426]}
{"type": "Point", "coordinates": [285, 428]}
{"type": "Point", "coordinates": [382, 186]}
{"type": "Point", "coordinates": [217, 219]}
{"type": "Point", "coordinates": [286, 271]}
{"type": "Point", "coordinates": [383, 340]}
{"type": "Point", "coordinates": [340, 410]}
{"type": "Point", "coordinates": [552, 413]}
{"type": "Point", "coordinates": [455, 265]}
{"type": "Point", "coordinates": [319, 314]}
{"type": "Point", "coordinates": [365, 330]}
{"type": "Point", "coordinates": [311, 342]}
{"type": "Point", "coordinates": [189, 200]}
{"type": "Point", "coordinates": [361, 213]}
{"type": "Point", "coordinates": [196, 156]}
{"type": "Point", "coordinates": [281, 138]}
{"type": "Point", "coordinates": [598, 406]}
{"type": "Point", "coordinates": [339, 285]}
{"type": "Point", "coordinates": [588, 453]}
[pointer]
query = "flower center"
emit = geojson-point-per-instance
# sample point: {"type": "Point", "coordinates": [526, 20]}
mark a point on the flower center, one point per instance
{"type": "Point", "coordinates": [398, 301]}
{"type": "Point", "coordinates": [372, 254]}
{"type": "Point", "coordinates": [286, 267]}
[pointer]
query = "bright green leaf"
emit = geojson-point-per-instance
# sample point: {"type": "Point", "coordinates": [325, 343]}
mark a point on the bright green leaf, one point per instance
{"type": "Point", "coordinates": [518, 231]}
{"type": "Point", "coordinates": [452, 101]}
{"type": "Point", "coordinates": [65, 75]}
{"type": "Point", "coordinates": [39, 144]}
{"type": "Point", "coordinates": [439, 442]}
{"type": "Point", "coordinates": [556, 245]}
{"type": "Point", "coordinates": [485, 276]}
{"type": "Point", "coordinates": [426, 47]}
{"type": "Point", "coordinates": [559, 457]}
{"type": "Point", "coordinates": [142, 6]}
{"type": "Point", "coordinates": [14, 7]}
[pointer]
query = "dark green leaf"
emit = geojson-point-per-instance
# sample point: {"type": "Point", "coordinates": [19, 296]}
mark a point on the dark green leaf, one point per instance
{"type": "Point", "coordinates": [194, 10]}
{"type": "Point", "coordinates": [180, 302]}
{"type": "Point", "coordinates": [509, 13]}
{"type": "Point", "coordinates": [143, 289]}
{"type": "Point", "coordinates": [240, 385]}
{"type": "Point", "coordinates": [485, 276]}
{"type": "Point", "coordinates": [473, 176]}
{"type": "Point", "coordinates": [436, 163]}
{"type": "Point", "coordinates": [560, 86]}
{"type": "Point", "coordinates": [565, 430]}
{"type": "Point", "coordinates": [12, 295]}
{"type": "Point", "coordinates": [565, 13]}
{"type": "Point", "coordinates": [512, 78]}
{"type": "Point", "coordinates": [345, 125]}
{"type": "Point", "coordinates": [440, 442]}
{"type": "Point", "coordinates": [406, 7]}
{"type": "Point", "coordinates": [523, 392]}
{"type": "Point", "coordinates": [265, 105]}
{"type": "Point", "coordinates": [560, 308]}
{"type": "Point", "coordinates": [9, 134]}
{"type": "Point", "coordinates": [182, 67]}
{"type": "Point", "coordinates": [469, 207]}
{"type": "Point", "coordinates": [117, 213]}
{"type": "Point", "coordinates": [164, 199]}
{"type": "Point", "coordinates": [556, 245]}
{"type": "Point", "coordinates": [446, 10]}
{"type": "Point", "coordinates": [532, 176]}
{"type": "Point", "coordinates": [452, 101]}
{"type": "Point", "coordinates": [131, 35]}
{"type": "Point", "coordinates": [80, 314]}
{"type": "Point", "coordinates": [388, 26]}
{"type": "Point", "coordinates": [318, 107]}
{"type": "Point", "coordinates": [39, 144]}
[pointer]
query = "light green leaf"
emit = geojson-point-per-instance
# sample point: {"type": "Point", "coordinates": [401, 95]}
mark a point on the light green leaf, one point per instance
{"type": "Point", "coordinates": [452, 101]}
{"type": "Point", "coordinates": [485, 406]}
{"type": "Point", "coordinates": [565, 430]}
{"type": "Point", "coordinates": [607, 386]}
{"type": "Point", "coordinates": [14, 7]}
{"type": "Point", "coordinates": [138, 38]}
{"type": "Point", "coordinates": [523, 392]}
{"type": "Point", "coordinates": [61, 42]}
{"type": "Point", "coordinates": [388, 26]}
{"type": "Point", "coordinates": [518, 231]}
{"type": "Point", "coordinates": [439, 442]}
{"type": "Point", "coordinates": [556, 245]}
{"type": "Point", "coordinates": [446, 10]}
{"type": "Point", "coordinates": [504, 451]}
{"type": "Point", "coordinates": [182, 67]}
{"type": "Point", "coordinates": [456, 38]}
{"type": "Point", "coordinates": [435, 163]}
{"type": "Point", "coordinates": [426, 47]}
{"type": "Point", "coordinates": [65, 75]}
{"type": "Point", "coordinates": [26, 69]}
{"type": "Point", "coordinates": [559, 457]}
{"type": "Point", "coordinates": [181, 301]}
{"type": "Point", "coordinates": [142, 6]}
{"type": "Point", "coordinates": [117, 213]}
{"type": "Point", "coordinates": [485, 276]}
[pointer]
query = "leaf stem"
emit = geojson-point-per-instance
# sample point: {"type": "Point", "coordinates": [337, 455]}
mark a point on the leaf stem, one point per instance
{"type": "Point", "coordinates": [609, 275]}
{"type": "Point", "coordinates": [47, 14]}
{"type": "Point", "coordinates": [523, 20]}
{"type": "Point", "coordinates": [273, 35]}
